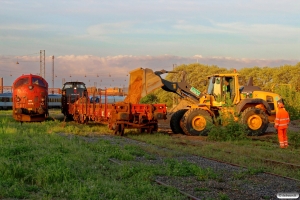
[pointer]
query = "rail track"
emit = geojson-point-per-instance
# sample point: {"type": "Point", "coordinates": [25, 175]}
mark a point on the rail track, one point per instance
{"type": "Point", "coordinates": [189, 196]}
{"type": "Point", "coordinates": [285, 164]}
{"type": "Point", "coordinates": [185, 188]}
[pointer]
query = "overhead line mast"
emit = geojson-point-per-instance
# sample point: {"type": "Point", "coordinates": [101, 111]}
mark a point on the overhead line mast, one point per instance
{"type": "Point", "coordinates": [42, 63]}
{"type": "Point", "coordinates": [52, 74]}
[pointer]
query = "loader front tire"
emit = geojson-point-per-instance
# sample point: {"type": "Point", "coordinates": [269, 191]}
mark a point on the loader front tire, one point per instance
{"type": "Point", "coordinates": [175, 121]}
{"type": "Point", "coordinates": [256, 121]}
{"type": "Point", "coordinates": [195, 122]}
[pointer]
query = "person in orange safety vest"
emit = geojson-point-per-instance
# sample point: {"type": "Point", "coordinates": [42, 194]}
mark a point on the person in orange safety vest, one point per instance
{"type": "Point", "coordinates": [281, 124]}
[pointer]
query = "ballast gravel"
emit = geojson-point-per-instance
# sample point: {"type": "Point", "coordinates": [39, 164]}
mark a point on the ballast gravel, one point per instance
{"type": "Point", "coordinates": [232, 182]}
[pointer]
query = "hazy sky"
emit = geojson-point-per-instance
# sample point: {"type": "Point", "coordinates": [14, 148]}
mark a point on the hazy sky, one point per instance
{"type": "Point", "coordinates": [101, 41]}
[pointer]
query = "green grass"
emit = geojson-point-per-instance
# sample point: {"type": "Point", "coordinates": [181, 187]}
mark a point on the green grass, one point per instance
{"type": "Point", "coordinates": [38, 163]}
{"type": "Point", "coordinates": [65, 160]}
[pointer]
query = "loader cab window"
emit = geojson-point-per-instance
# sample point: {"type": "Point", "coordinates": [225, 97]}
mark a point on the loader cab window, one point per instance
{"type": "Point", "coordinates": [270, 101]}
{"type": "Point", "coordinates": [210, 88]}
{"type": "Point", "coordinates": [217, 88]}
{"type": "Point", "coordinates": [228, 88]}
{"type": "Point", "coordinates": [214, 86]}
{"type": "Point", "coordinates": [226, 84]}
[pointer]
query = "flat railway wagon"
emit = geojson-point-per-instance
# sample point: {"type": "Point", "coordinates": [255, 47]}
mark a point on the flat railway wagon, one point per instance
{"type": "Point", "coordinates": [144, 117]}
{"type": "Point", "coordinates": [80, 107]}
{"type": "Point", "coordinates": [30, 95]}
{"type": "Point", "coordinates": [119, 115]}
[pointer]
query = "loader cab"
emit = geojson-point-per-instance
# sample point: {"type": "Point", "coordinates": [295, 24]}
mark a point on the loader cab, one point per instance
{"type": "Point", "coordinates": [223, 88]}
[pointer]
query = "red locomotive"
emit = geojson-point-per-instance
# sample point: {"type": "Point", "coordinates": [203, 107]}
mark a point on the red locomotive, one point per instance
{"type": "Point", "coordinates": [30, 95]}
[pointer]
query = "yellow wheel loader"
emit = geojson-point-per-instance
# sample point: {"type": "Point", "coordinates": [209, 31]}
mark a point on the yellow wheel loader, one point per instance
{"type": "Point", "coordinates": [223, 98]}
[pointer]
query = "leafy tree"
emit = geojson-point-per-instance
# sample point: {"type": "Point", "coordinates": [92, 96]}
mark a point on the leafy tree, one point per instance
{"type": "Point", "coordinates": [149, 99]}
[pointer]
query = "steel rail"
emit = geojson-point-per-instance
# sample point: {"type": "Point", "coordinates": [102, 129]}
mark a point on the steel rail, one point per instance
{"type": "Point", "coordinates": [236, 165]}
{"type": "Point", "coordinates": [262, 159]}
{"type": "Point", "coordinates": [162, 183]}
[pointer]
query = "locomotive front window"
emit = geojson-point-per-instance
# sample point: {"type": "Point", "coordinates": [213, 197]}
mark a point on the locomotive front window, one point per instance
{"type": "Point", "coordinates": [80, 86]}
{"type": "Point", "coordinates": [74, 85]}
{"type": "Point", "coordinates": [68, 85]}
{"type": "Point", "coordinates": [38, 81]}
{"type": "Point", "coordinates": [21, 82]}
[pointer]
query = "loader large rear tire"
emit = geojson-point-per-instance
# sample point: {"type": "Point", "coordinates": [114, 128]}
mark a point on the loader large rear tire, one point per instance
{"type": "Point", "coordinates": [175, 121]}
{"type": "Point", "coordinates": [256, 121]}
{"type": "Point", "coordinates": [195, 122]}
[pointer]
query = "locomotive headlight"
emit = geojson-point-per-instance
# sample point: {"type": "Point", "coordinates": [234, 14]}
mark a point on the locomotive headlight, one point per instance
{"type": "Point", "coordinates": [42, 99]}
{"type": "Point", "coordinates": [30, 87]}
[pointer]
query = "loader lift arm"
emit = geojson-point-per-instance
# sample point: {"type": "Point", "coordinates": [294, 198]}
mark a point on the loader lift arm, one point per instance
{"type": "Point", "coordinates": [183, 89]}
{"type": "Point", "coordinates": [148, 81]}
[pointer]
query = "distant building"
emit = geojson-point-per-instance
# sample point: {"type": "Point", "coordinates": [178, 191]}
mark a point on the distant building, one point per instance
{"type": "Point", "coordinates": [115, 91]}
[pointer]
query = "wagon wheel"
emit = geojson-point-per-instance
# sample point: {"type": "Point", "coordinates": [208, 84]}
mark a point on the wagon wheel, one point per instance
{"type": "Point", "coordinates": [149, 130]}
{"type": "Point", "coordinates": [81, 119]}
{"type": "Point", "coordinates": [85, 119]}
{"type": "Point", "coordinates": [122, 128]}
{"type": "Point", "coordinates": [115, 128]}
{"type": "Point", "coordinates": [119, 129]}
{"type": "Point", "coordinates": [142, 130]}
{"type": "Point", "coordinates": [155, 128]}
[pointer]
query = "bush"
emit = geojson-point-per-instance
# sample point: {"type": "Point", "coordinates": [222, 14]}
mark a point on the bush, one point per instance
{"type": "Point", "coordinates": [291, 100]}
{"type": "Point", "coordinates": [294, 139]}
{"type": "Point", "coordinates": [231, 131]}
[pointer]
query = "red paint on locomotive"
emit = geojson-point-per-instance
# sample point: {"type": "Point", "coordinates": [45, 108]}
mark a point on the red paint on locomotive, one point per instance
{"type": "Point", "coordinates": [30, 98]}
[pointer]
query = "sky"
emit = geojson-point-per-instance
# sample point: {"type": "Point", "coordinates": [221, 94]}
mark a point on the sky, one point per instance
{"type": "Point", "coordinates": [99, 42]}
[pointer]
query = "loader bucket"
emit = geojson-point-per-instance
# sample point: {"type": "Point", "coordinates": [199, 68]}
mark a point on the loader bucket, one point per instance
{"type": "Point", "coordinates": [142, 82]}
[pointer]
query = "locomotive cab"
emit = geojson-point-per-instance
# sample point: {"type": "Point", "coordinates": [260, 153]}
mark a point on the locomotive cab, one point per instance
{"type": "Point", "coordinates": [71, 92]}
{"type": "Point", "coordinates": [30, 98]}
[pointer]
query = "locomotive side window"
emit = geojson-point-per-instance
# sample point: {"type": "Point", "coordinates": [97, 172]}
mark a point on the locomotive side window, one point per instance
{"type": "Point", "coordinates": [38, 81]}
{"type": "Point", "coordinates": [21, 82]}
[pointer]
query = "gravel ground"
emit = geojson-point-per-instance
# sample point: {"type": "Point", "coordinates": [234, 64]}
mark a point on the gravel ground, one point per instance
{"type": "Point", "coordinates": [232, 183]}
